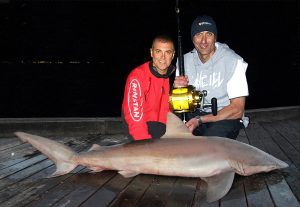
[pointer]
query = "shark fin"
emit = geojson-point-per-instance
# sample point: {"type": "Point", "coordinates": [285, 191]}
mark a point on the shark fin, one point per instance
{"type": "Point", "coordinates": [63, 168]}
{"type": "Point", "coordinates": [96, 169]}
{"type": "Point", "coordinates": [128, 174]}
{"type": "Point", "coordinates": [218, 185]}
{"type": "Point", "coordinates": [95, 147]}
{"type": "Point", "coordinates": [175, 127]}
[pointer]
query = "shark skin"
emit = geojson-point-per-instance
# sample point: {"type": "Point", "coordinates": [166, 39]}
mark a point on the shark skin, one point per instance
{"type": "Point", "coordinates": [178, 153]}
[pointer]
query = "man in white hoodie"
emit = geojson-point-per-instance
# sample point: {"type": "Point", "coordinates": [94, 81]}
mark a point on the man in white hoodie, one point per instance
{"type": "Point", "coordinates": [214, 67]}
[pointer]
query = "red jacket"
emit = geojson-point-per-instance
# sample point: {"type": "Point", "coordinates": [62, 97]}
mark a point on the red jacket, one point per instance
{"type": "Point", "coordinates": [146, 99]}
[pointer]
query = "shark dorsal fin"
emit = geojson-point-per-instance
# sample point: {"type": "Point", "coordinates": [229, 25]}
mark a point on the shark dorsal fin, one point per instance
{"type": "Point", "coordinates": [95, 147]}
{"type": "Point", "coordinates": [128, 173]}
{"type": "Point", "coordinates": [175, 127]}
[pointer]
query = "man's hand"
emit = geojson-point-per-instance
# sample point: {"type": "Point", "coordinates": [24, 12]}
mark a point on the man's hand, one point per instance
{"type": "Point", "coordinates": [181, 81]}
{"type": "Point", "coordinates": [192, 124]}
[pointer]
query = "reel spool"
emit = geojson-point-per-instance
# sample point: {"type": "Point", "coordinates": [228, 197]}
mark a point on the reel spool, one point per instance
{"type": "Point", "coordinates": [188, 99]}
{"type": "Point", "coordinates": [185, 99]}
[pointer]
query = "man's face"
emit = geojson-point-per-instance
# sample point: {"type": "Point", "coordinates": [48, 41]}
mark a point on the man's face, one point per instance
{"type": "Point", "coordinates": [204, 43]}
{"type": "Point", "coordinates": [162, 54]}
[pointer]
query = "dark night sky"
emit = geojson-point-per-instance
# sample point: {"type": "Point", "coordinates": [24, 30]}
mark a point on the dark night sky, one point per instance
{"type": "Point", "coordinates": [93, 45]}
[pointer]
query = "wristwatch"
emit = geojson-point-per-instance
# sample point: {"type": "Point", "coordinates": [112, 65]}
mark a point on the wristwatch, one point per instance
{"type": "Point", "coordinates": [199, 120]}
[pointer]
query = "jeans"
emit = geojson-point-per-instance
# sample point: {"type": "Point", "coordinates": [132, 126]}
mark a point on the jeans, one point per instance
{"type": "Point", "coordinates": [224, 128]}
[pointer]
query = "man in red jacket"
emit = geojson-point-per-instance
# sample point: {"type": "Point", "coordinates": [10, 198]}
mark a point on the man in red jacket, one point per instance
{"type": "Point", "coordinates": [145, 104]}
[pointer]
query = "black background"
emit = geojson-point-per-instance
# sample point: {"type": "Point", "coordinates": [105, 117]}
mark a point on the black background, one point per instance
{"type": "Point", "coordinates": [71, 58]}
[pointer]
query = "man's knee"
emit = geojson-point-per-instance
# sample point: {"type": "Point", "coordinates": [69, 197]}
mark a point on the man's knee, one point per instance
{"type": "Point", "coordinates": [225, 128]}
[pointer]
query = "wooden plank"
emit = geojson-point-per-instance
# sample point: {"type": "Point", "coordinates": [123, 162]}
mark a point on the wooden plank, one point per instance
{"type": "Point", "coordinates": [292, 126]}
{"type": "Point", "coordinates": [286, 146]}
{"type": "Point", "coordinates": [108, 192]}
{"type": "Point", "coordinates": [182, 193]}
{"type": "Point", "coordinates": [20, 166]}
{"type": "Point", "coordinates": [293, 171]}
{"type": "Point", "coordinates": [242, 137]}
{"type": "Point", "coordinates": [236, 195]}
{"type": "Point", "coordinates": [289, 134]}
{"type": "Point", "coordinates": [261, 139]}
{"type": "Point", "coordinates": [169, 191]}
{"type": "Point", "coordinates": [255, 138]}
{"type": "Point", "coordinates": [275, 144]}
{"type": "Point", "coordinates": [28, 183]}
{"type": "Point", "coordinates": [278, 144]}
{"type": "Point", "coordinates": [7, 143]}
{"type": "Point", "coordinates": [295, 125]}
{"type": "Point", "coordinates": [280, 191]}
{"type": "Point", "coordinates": [200, 196]}
{"type": "Point", "coordinates": [257, 192]}
{"type": "Point", "coordinates": [292, 176]}
{"type": "Point", "coordinates": [134, 191]}
{"type": "Point", "coordinates": [11, 162]}
{"type": "Point", "coordinates": [16, 152]}
{"type": "Point", "coordinates": [22, 174]}
{"type": "Point", "coordinates": [35, 190]}
{"type": "Point", "coordinates": [156, 194]}
{"type": "Point", "coordinates": [271, 143]}
{"type": "Point", "coordinates": [86, 185]}
{"type": "Point", "coordinates": [281, 129]}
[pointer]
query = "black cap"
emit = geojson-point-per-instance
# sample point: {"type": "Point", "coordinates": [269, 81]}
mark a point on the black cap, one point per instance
{"type": "Point", "coordinates": [204, 23]}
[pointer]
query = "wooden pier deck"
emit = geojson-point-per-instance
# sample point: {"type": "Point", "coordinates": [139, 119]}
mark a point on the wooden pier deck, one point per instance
{"type": "Point", "coordinates": [23, 173]}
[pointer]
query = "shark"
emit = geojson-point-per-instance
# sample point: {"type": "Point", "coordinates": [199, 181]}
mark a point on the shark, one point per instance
{"type": "Point", "coordinates": [215, 160]}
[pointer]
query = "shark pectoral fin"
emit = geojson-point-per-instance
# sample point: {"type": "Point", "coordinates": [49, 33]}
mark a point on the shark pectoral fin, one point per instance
{"type": "Point", "coordinates": [218, 186]}
{"type": "Point", "coordinates": [128, 174]}
{"type": "Point", "coordinates": [63, 168]}
{"type": "Point", "coordinates": [95, 147]}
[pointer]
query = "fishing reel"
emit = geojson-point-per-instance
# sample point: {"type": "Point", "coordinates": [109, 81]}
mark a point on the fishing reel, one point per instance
{"type": "Point", "coordinates": [188, 99]}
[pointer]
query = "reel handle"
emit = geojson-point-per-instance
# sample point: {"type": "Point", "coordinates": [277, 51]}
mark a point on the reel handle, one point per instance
{"type": "Point", "coordinates": [214, 106]}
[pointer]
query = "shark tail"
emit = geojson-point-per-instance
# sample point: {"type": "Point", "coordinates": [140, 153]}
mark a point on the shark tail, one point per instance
{"type": "Point", "coordinates": [63, 156]}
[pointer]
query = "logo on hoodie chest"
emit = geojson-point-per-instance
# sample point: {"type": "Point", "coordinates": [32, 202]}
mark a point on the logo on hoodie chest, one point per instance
{"type": "Point", "coordinates": [213, 80]}
{"type": "Point", "coordinates": [135, 101]}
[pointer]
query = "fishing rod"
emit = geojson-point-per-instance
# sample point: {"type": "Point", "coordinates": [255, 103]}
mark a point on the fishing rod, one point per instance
{"type": "Point", "coordinates": [180, 55]}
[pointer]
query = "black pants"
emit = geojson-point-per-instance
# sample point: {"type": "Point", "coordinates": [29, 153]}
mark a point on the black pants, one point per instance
{"type": "Point", "coordinates": [224, 128]}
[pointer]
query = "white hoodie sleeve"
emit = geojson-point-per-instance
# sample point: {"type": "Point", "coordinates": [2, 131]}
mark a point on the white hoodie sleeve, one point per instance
{"type": "Point", "coordinates": [237, 86]}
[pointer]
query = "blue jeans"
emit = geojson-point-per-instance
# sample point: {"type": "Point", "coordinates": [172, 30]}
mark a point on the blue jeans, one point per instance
{"type": "Point", "coordinates": [223, 128]}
